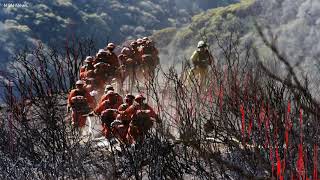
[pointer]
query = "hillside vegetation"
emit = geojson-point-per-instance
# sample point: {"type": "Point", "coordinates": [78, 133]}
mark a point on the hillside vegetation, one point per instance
{"type": "Point", "coordinates": [54, 22]}
{"type": "Point", "coordinates": [220, 22]}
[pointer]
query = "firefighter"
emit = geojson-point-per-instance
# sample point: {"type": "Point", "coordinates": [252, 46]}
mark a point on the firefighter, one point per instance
{"type": "Point", "coordinates": [88, 74]}
{"type": "Point", "coordinates": [126, 62]}
{"type": "Point", "coordinates": [145, 38]}
{"type": "Point", "coordinates": [112, 58]}
{"type": "Point", "coordinates": [155, 52]}
{"type": "Point", "coordinates": [128, 70]}
{"type": "Point", "coordinates": [80, 101]}
{"type": "Point", "coordinates": [110, 102]}
{"type": "Point", "coordinates": [87, 67]}
{"type": "Point", "coordinates": [101, 57]}
{"type": "Point", "coordinates": [150, 48]}
{"type": "Point", "coordinates": [90, 84]}
{"type": "Point", "coordinates": [121, 125]}
{"type": "Point", "coordinates": [139, 106]}
{"type": "Point", "coordinates": [143, 42]}
{"type": "Point", "coordinates": [139, 42]}
{"type": "Point", "coordinates": [100, 74]}
{"type": "Point", "coordinates": [201, 60]}
{"type": "Point", "coordinates": [126, 65]}
{"type": "Point", "coordinates": [123, 63]}
{"type": "Point", "coordinates": [107, 110]}
{"type": "Point", "coordinates": [91, 88]}
{"type": "Point", "coordinates": [105, 96]}
{"type": "Point", "coordinates": [129, 99]}
{"type": "Point", "coordinates": [126, 51]}
{"type": "Point", "coordinates": [134, 45]}
{"type": "Point", "coordinates": [142, 117]}
{"type": "Point", "coordinates": [122, 59]}
{"type": "Point", "coordinates": [150, 59]}
{"type": "Point", "coordinates": [135, 53]}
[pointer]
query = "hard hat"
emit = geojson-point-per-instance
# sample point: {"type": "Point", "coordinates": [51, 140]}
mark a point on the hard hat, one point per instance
{"type": "Point", "coordinates": [133, 43]}
{"type": "Point", "coordinates": [108, 88]}
{"type": "Point", "coordinates": [111, 46]}
{"type": "Point", "coordinates": [90, 79]}
{"type": "Point", "coordinates": [125, 51]}
{"type": "Point", "coordinates": [129, 96]}
{"type": "Point", "coordinates": [201, 44]}
{"type": "Point", "coordinates": [79, 82]}
{"type": "Point", "coordinates": [101, 50]}
{"type": "Point", "coordinates": [99, 54]}
{"type": "Point", "coordinates": [110, 92]}
{"type": "Point", "coordinates": [139, 41]}
{"type": "Point", "coordinates": [88, 59]}
{"type": "Point", "coordinates": [139, 97]}
{"type": "Point", "coordinates": [122, 56]}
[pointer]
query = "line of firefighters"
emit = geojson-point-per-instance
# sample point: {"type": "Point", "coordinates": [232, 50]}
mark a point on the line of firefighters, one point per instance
{"type": "Point", "coordinates": [128, 120]}
{"type": "Point", "coordinates": [107, 65]}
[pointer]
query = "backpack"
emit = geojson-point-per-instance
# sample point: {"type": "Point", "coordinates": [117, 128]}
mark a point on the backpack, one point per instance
{"type": "Point", "coordinates": [79, 104]}
{"type": "Point", "coordinates": [141, 120]}
{"type": "Point", "coordinates": [107, 117]}
{"type": "Point", "coordinates": [147, 49]}
{"type": "Point", "coordinates": [204, 58]}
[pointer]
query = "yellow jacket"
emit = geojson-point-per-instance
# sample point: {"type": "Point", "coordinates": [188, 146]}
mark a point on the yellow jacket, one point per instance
{"type": "Point", "coordinates": [201, 58]}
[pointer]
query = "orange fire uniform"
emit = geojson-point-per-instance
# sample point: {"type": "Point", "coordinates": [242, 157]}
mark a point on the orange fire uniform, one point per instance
{"type": "Point", "coordinates": [80, 107]}
{"type": "Point", "coordinates": [134, 131]}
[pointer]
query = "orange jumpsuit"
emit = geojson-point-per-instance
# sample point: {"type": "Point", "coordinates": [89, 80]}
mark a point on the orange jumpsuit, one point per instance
{"type": "Point", "coordinates": [77, 117]}
{"type": "Point", "coordinates": [103, 106]}
{"type": "Point", "coordinates": [119, 99]}
{"type": "Point", "coordinates": [122, 130]}
{"type": "Point", "coordinates": [113, 60]}
{"type": "Point", "coordinates": [136, 55]}
{"type": "Point", "coordinates": [124, 117]}
{"type": "Point", "coordinates": [84, 71]}
{"type": "Point", "coordinates": [133, 131]}
{"type": "Point", "coordinates": [149, 49]}
{"type": "Point", "coordinates": [132, 110]}
{"type": "Point", "coordinates": [89, 87]}
{"type": "Point", "coordinates": [107, 116]}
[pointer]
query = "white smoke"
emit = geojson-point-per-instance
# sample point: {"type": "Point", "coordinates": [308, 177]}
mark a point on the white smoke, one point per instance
{"type": "Point", "coordinates": [296, 23]}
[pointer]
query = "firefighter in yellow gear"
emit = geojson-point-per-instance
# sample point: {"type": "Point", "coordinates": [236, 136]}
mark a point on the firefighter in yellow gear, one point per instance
{"type": "Point", "coordinates": [201, 59]}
